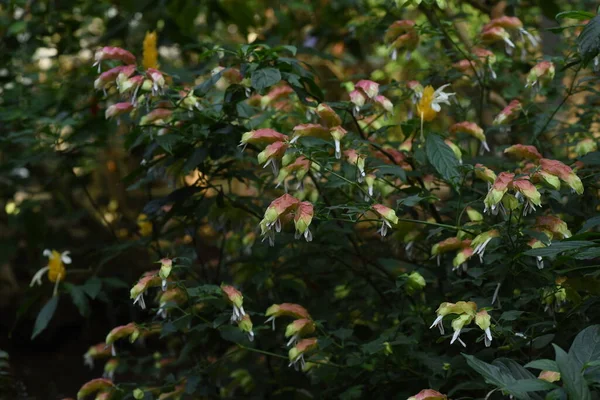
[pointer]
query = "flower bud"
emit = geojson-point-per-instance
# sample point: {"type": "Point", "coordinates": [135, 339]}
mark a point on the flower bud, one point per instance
{"type": "Point", "coordinates": [585, 146]}
{"type": "Point", "coordinates": [233, 295]}
{"type": "Point", "coordinates": [462, 256]}
{"type": "Point", "coordinates": [301, 348]}
{"type": "Point", "coordinates": [118, 109]}
{"type": "Point", "coordinates": [524, 152]}
{"type": "Point", "coordinates": [159, 116]}
{"type": "Point", "coordinates": [498, 190]}
{"type": "Point", "coordinates": [496, 34]}
{"type": "Point", "coordinates": [329, 117]}
{"type": "Point", "coordinates": [369, 88]}
{"type": "Point", "coordinates": [93, 386]}
{"type": "Point", "coordinates": [114, 53]}
{"type": "Point", "coordinates": [541, 74]}
{"type": "Point", "coordinates": [446, 245]}
{"type": "Point", "coordinates": [557, 226]}
{"type": "Point", "coordinates": [549, 376]}
{"type": "Point", "coordinates": [262, 137]}
{"type": "Point", "coordinates": [474, 215]}
{"type": "Point", "coordinates": [564, 172]}
{"type": "Point", "coordinates": [385, 103]}
{"type": "Point", "coordinates": [245, 325]}
{"type": "Point", "coordinates": [470, 128]}
{"type": "Point", "coordinates": [300, 327]}
{"type": "Point", "coordinates": [148, 280]}
{"type": "Point", "coordinates": [302, 220]}
{"type": "Point", "coordinates": [428, 394]}
{"type": "Point", "coordinates": [482, 320]}
{"type": "Point", "coordinates": [386, 213]}
{"type": "Point", "coordinates": [484, 173]}
{"type": "Point", "coordinates": [455, 149]}
{"type": "Point", "coordinates": [415, 282]}
{"type": "Point", "coordinates": [288, 310]}
{"type": "Point", "coordinates": [138, 394]}
{"type": "Point", "coordinates": [166, 265]}
{"type": "Point", "coordinates": [314, 130]}
{"type": "Point", "coordinates": [131, 330]}
{"type": "Point", "coordinates": [272, 152]}
{"type": "Point", "coordinates": [358, 98]}
{"type": "Point", "coordinates": [509, 113]}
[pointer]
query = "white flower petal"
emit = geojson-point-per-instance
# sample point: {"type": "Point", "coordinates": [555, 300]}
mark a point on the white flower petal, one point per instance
{"type": "Point", "coordinates": [65, 257]}
{"type": "Point", "coordinates": [47, 253]}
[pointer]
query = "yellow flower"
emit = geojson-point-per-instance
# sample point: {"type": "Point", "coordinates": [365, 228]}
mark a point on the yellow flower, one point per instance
{"type": "Point", "coordinates": [150, 59]}
{"type": "Point", "coordinates": [144, 225]}
{"type": "Point", "coordinates": [55, 268]}
{"type": "Point", "coordinates": [424, 105]}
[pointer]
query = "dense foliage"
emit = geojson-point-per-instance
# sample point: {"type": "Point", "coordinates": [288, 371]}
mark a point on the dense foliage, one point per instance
{"type": "Point", "coordinates": [315, 199]}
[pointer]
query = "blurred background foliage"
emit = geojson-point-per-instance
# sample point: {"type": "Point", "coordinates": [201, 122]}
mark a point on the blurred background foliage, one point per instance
{"type": "Point", "coordinates": [72, 180]}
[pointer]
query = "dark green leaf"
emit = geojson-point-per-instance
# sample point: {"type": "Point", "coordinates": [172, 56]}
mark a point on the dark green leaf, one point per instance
{"type": "Point", "coordinates": [529, 385]}
{"type": "Point", "coordinates": [589, 224]}
{"type": "Point", "coordinates": [591, 159]}
{"type": "Point", "coordinates": [79, 299]}
{"type": "Point", "coordinates": [92, 287]}
{"type": "Point", "coordinates": [265, 77]}
{"type": "Point", "coordinates": [558, 247]}
{"type": "Point", "coordinates": [578, 15]}
{"type": "Point", "coordinates": [543, 364]}
{"type": "Point", "coordinates": [586, 346]}
{"type": "Point", "coordinates": [168, 141]}
{"type": "Point", "coordinates": [571, 375]}
{"type": "Point", "coordinates": [442, 158]}
{"type": "Point", "coordinates": [394, 170]}
{"type": "Point", "coordinates": [44, 316]}
{"type": "Point", "coordinates": [588, 40]}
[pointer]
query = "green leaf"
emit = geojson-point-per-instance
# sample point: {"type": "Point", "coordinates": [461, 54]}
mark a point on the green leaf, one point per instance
{"type": "Point", "coordinates": [543, 364]}
{"type": "Point", "coordinates": [354, 392]}
{"type": "Point", "coordinates": [441, 156]}
{"type": "Point", "coordinates": [558, 247]}
{"type": "Point", "coordinates": [79, 299]}
{"type": "Point", "coordinates": [44, 316]}
{"type": "Point", "coordinates": [394, 170]}
{"type": "Point", "coordinates": [168, 141]}
{"type": "Point", "coordinates": [92, 287]}
{"type": "Point", "coordinates": [586, 346]}
{"type": "Point", "coordinates": [588, 42]}
{"type": "Point", "coordinates": [589, 224]}
{"type": "Point", "coordinates": [578, 15]}
{"type": "Point", "coordinates": [591, 158]}
{"type": "Point", "coordinates": [265, 77]}
{"type": "Point", "coordinates": [571, 375]}
{"type": "Point", "coordinates": [529, 385]}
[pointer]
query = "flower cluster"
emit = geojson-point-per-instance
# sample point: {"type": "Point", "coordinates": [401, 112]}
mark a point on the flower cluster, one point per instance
{"type": "Point", "coordinates": [285, 208]}
{"type": "Point", "coordinates": [239, 316]}
{"type": "Point", "coordinates": [467, 312]}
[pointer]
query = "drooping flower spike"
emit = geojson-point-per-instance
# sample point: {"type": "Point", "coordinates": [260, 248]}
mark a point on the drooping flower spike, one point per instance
{"type": "Point", "coordinates": [55, 268]}
{"type": "Point", "coordinates": [564, 172]}
{"type": "Point", "coordinates": [402, 35]}
{"type": "Point", "coordinates": [388, 217]}
{"type": "Point", "coordinates": [555, 225]}
{"type": "Point", "coordinates": [482, 320]}
{"type": "Point", "coordinates": [526, 152]}
{"type": "Point", "coordinates": [484, 173]}
{"type": "Point", "coordinates": [298, 328]}
{"type": "Point", "coordinates": [272, 155]}
{"type": "Point", "coordinates": [512, 24]}
{"type": "Point", "coordinates": [296, 353]}
{"type": "Point", "coordinates": [540, 75]}
{"type": "Point", "coordinates": [428, 394]}
{"type": "Point", "coordinates": [262, 137]}
{"type": "Point", "coordinates": [328, 115]}
{"type": "Point", "coordinates": [299, 168]}
{"type": "Point", "coordinates": [446, 245]}
{"type": "Point", "coordinates": [302, 219]}
{"type": "Point", "coordinates": [148, 280]}
{"type": "Point", "coordinates": [508, 114]}
{"type": "Point", "coordinates": [278, 208]}
{"type": "Point", "coordinates": [236, 299]}
{"type": "Point", "coordinates": [497, 191]}
{"type": "Point", "coordinates": [119, 109]}
{"type": "Point", "coordinates": [158, 116]}
{"type": "Point", "coordinates": [470, 128]}
{"type": "Point", "coordinates": [113, 53]}
{"type": "Point", "coordinates": [358, 160]}
{"type": "Point", "coordinates": [101, 385]}
{"type": "Point", "coordinates": [481, 241]}
{"type": "Point", "coordinates": [131, 330]}
{"type": "Point", "coordinates": [286, 310]}
{"type": "Point", "coordinates": [497, 34]}
{"type": "Point", "coordinates": [150, 51]}
{"type": "Point", "coordinates": [97, 351]}
{"type": "Point", "coordinates": [463, 255]}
